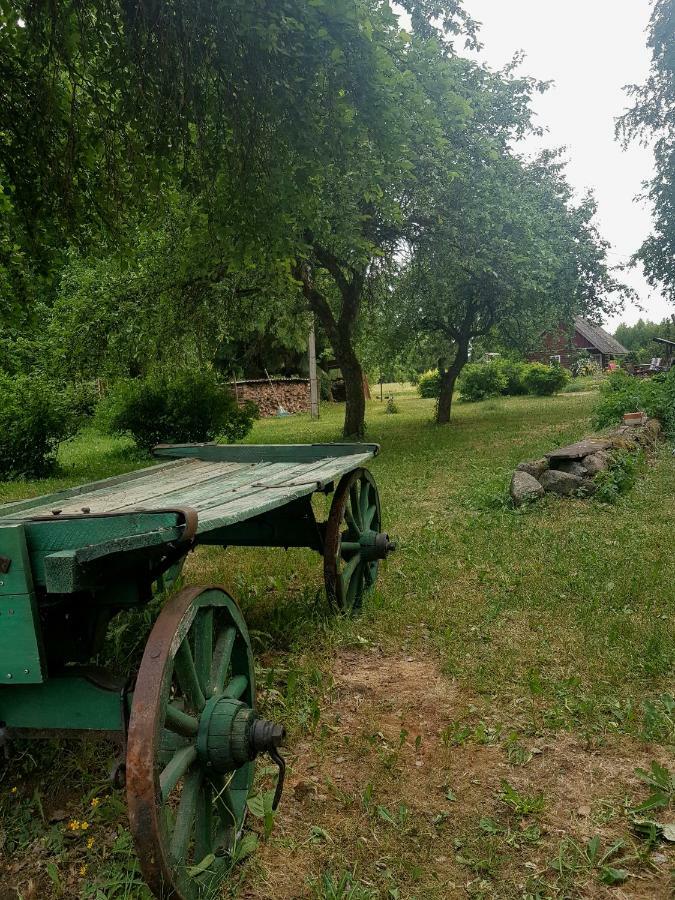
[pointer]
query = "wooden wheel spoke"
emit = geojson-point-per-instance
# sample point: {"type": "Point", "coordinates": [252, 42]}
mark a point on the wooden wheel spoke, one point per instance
{"type": "Point", "coordinates": [186, 673]}
{"type": "Point", "coordinates": [355, 587]}
{"type": "Point", "coordinates": [354, 504]}
{"type": "Point", "coordinates": [349, 547]}
{"type": "Point", "coordinates": [236, 688]}
{"type": "Point", "coordinates": [175, 769]}
{"type": "Point", "coordinates": [221, 660]}
{"type": "Point", "coordinates": [203, 629]}
{"type": "Point", "coordinates": [180, 722]}
{"type": "Point", "coordinates": [351, 521]}
{"type": "Point", "coordinates": [185, 818]}
{"type": "Point", "coordinates": [369, 515]}
{"type": "Point", "coordinates": [204, 823]}
{"type": "Point", "coordinates": [348, 572]}
{"type": "Point", "coordinates": [364, 501]}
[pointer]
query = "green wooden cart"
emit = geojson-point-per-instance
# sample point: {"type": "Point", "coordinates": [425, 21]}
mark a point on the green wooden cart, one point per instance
{"type": "Point", "coordinates": [71, 561]}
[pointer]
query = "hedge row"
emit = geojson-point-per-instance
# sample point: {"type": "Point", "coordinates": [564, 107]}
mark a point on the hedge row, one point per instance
{"type": "Point", "coordinates": [478, 381]}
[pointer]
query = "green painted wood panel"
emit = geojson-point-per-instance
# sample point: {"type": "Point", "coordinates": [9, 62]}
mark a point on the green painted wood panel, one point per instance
{"type": "Point", "coordinates": [20, 638]}
{"type": "Point", "coordinates": [61, 703]}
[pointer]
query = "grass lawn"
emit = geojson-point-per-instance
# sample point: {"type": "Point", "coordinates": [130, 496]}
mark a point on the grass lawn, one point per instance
{"type": "Point", "coordinates": [475, 732]}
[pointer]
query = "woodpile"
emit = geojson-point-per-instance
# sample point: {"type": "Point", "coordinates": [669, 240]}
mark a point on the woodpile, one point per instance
{"type": "Point", "coordinates": [290, 393]}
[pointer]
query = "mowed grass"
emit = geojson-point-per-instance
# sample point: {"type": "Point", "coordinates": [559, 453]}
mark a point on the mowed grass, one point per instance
{"type": "Point", "coordinates": [537, 642]}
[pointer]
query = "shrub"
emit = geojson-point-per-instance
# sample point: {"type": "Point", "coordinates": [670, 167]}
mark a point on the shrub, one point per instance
{"type": "Point", "coordinates": [429, 384]}
{"type": "Point", "coordinates": [584, 365]}
{"type": "Point", "coordinates": [35, 416]}
{"type": "Point", "coordinates": [544, 381]}
{"type": "Point", "coordinates": [618, 478]}
{"type": "Point", "coordinates": [83, 397]}
{"type": "Point", "coordinates": [176, 407]}
{"type": "Point", "coordinates": [514, 373]}
{"type": "Point", "coordinates": [481, 380]}
{"type": "Point", "coordinates": [622, 393]}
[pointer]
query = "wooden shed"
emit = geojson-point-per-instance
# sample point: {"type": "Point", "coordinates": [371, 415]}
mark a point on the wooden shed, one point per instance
{"type": "Point", "coordinates": [565, 344]}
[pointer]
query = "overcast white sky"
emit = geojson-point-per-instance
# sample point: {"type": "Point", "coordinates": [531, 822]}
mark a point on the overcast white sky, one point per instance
{"type": "Point", "coordinates": [590, 49]}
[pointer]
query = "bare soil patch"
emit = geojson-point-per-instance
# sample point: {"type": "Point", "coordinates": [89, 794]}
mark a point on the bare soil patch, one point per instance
{"type": "Point", "coordinates": [388, 791]}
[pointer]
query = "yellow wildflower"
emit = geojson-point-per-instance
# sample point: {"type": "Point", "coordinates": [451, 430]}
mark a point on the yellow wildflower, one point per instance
{"type": "Point", "coordinates": [95, 802]}
{"type": "Point", "coordinates": [84, 826]}
{"type": "Point", "coordinates": [73, 825]}
{"type": "Point", "coordinates": [90, 843]}
{"type": "Point", "coordinates": [83, 871]}
{"type": "Point", "coordinates": [13, 790]}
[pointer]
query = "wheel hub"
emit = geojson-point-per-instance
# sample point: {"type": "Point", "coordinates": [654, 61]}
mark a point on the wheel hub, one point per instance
{"type": "Point", "coordinates": [231, 734]}
{"type": "Point", "coordinates": [375, 545]}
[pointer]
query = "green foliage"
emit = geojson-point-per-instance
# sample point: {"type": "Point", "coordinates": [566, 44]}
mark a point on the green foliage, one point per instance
{"type": "Point", "coordinates": [618, 478]}
{"type": "Point", "coordinates": [481, 380]}
{"type": "Point", "coordinates": [35, 417]}
{"type": "Point", "coordinates": [585, 366]}
{"type": "Point", "coordinates": [181, 406]}
{"type": "Point", "coordinates": [514, 372]}
{"type": "Point", "coordinates": [429, 384]}
{"type": "Point", "coordinates": [652, 122]}
{"type": "Point", "coordinates": [639, 338]}
{"type": "Point", "coordinates": [544, 381]}
{"type": "Point", "coordinates": [622, 393]}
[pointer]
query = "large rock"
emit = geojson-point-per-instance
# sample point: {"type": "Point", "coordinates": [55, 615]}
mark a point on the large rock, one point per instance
{"type": "Point", "coordinates": [580, 449]}
{"type": "Point", "coordinates": [596, 462]}
{"type": "Point", "coordinates": [565, 484]}
{"type": "Point", "coordinates": [533, 467]}
{"type": "Point", "coordinates": [524, 488]}
{"type": "Point", "coordinates": [572, 466]}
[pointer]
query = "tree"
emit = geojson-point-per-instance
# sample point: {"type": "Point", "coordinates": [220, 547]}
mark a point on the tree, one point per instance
{"type": "Point", "coordinates": [652, 121]}
{"type": "Point", "coordinates": [510, 254]}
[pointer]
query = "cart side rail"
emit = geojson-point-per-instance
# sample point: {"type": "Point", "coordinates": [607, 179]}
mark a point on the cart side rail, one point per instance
{"type": "Point", "coordinates": [21, 651]}
{"type": "Point", "coordinates": [253, 453]}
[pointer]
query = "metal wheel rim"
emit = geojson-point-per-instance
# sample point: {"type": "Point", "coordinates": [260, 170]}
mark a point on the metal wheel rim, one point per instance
{"type": "Point", "coordinates": [341, 531]}
{"type": "Point", "coordinates": [154, 820]}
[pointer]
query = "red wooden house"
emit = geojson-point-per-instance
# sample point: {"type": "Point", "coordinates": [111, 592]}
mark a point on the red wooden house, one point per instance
{"type": "Point", "coordinates": [567, 342]}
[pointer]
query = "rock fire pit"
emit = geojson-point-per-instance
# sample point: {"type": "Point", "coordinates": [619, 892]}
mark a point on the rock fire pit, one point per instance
{"type": "Point", "coordinates": [570, 471]}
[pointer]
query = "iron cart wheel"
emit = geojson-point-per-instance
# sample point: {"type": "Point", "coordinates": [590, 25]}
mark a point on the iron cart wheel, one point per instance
{"type": "Point", "coordinates": [193, 736]}
{"type": "Point", "coordinates": [354, 544]}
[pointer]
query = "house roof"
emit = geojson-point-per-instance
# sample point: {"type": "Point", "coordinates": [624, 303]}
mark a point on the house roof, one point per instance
{"type": "Point", "coordinates": [598, 337]}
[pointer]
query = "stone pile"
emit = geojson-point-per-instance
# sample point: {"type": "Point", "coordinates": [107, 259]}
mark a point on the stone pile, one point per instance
{"type": "Point", "coordinates": [570, 471]}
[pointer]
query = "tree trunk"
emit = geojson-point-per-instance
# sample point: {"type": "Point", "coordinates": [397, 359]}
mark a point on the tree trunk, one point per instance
{"type": "Point", "coordinates": [355, 410]}
{"type": "Point", "coordinates": [448, 380]}
{"type": "Point", "coordinates": [340, 334]}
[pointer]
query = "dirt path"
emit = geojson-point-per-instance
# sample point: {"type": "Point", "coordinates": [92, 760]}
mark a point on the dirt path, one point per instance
{"type": "Point", "coordinates": [396, 797]}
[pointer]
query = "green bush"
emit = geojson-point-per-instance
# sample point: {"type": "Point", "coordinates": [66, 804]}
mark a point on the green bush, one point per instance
{"type": "Point", "coordinates": [429, 384]}
{"type": "Point", "coordinates": [83, 397]}
{"type": "Point", "coordinates": [544, 381]}
{"type": "Point", "coordinates": [584, 365]}
{"type": "Point", "coordinates": [176, 407]}
{"type": "Point", "coordinates": [514, 373]}
{"type": "Point", "coordinates": [622, 393]}
{"type": "Point", "coordinates": [481, 380]}
{"type": "Point", "coordinates": [35, 416]}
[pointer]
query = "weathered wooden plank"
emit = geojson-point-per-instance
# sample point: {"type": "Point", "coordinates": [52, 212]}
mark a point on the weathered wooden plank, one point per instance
{"type": "Point", "coordinates": [273, 493]}
{"type": "Point", "coordinates": [54, 501]}
{"type": "Point", "coordinates": [146, 492]}
{"type": "Point", "coordinates": [206, 489]}
{"type": "Point", "coordinates": [279, 478]}
{"type": "Point", "coordinates": [267, 452]}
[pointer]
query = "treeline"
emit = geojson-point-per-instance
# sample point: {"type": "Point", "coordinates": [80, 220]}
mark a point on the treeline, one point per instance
{"type": "Point", "coordinates": [639, 338]}
{"type": "Point", "coordinates": [181, 181]}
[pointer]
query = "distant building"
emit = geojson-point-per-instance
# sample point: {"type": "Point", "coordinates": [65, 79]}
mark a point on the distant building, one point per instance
{"type": "Point", "coordinates": [567, 342]}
